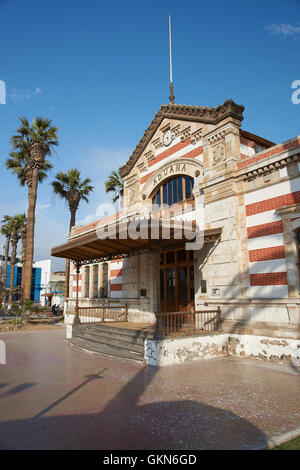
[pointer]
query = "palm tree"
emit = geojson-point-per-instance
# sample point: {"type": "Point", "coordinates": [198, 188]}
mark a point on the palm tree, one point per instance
{"type": "Point", "coordinates": [31, 144]}
{"type": "Point", "coordinates": [70, 187]}
{"type": "Point", "coordinates": [6, 230]}
{"type": "Point", "coordinates": [18, 221]}
{"type": "Point", "coordinates": [115, 184]}
{"type": "Point", "coordinates": [23, 233]}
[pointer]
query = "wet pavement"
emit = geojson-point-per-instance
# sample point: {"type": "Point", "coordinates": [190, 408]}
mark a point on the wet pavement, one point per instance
{"type": "Point", "coordinates": [53, 396]}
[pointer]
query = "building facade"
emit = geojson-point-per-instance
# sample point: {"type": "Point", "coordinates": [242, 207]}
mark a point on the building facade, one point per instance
{"type": "Point", "coordinates": [196, 164]}
{"type": "Point", "coordinates": [40, 278]}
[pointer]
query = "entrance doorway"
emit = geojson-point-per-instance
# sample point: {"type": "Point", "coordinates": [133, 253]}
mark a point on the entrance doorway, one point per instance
{"type": "Point", "coordinates": [176, 281]}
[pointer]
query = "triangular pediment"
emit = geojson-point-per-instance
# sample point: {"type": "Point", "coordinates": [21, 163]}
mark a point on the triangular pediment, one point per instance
{"type": "Point", "coordinates": [175, 112]}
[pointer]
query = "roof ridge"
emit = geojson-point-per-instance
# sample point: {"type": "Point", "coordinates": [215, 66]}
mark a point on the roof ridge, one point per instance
{"type": "Point", "coordinates": [178, 111]}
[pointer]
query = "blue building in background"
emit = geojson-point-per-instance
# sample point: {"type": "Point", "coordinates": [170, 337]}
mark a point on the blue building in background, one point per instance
{"type": "Point", "coordinates": [35, 283]}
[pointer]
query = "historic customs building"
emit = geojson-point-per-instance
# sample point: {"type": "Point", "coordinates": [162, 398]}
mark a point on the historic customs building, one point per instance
{"type": "Point", "coordinates": [239, 292]}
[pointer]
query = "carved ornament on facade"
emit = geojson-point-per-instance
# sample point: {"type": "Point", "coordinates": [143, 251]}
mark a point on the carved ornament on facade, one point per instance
{"type": "Point", "coordinates": [132, 191]}
{"type": "Point", "coordinates": [218, 153]}
{"type": "Point", "coordinates": [216, 137]}
{"type": "Point", "coordinates": [142, 167]}
{"type": "Point", "coordinates": [196, 136]}
{"type": "Point", "coordinates": [186, 133]}
{"type": "Point", "coordinates": [176, 130]}
{"type": "Point", "coordinates": [150, 155]}
{"type": "Point", "coordinates": [165, 128]}
{"type": "Point", "coordinates": [157, 143]}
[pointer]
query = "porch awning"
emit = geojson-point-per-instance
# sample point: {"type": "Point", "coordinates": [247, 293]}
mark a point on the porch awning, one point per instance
{"type": "Point", "coordinates": [112, 242]}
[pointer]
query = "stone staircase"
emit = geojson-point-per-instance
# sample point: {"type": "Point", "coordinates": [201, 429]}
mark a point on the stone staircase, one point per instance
{"type": "Point", "coordinates": [112, 341]}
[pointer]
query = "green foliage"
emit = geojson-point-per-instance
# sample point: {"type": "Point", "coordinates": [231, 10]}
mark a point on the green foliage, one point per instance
{"type": "Point", "coordinates": [115, 184]}
{"type": "Point", "coordinates": [40, 131]}
{"type": "Point", "coordinates": [22, 311]}
{"type": "Point", "coordinates": [293, 444]}
{"type": "Point", "coordinates": [70, 187]}
{"type": "Point", "coordinates": [19, 162]}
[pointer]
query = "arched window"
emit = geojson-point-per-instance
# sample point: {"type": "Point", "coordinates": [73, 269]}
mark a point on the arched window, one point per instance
{"type": "Point", "coordinates": [174, 190]}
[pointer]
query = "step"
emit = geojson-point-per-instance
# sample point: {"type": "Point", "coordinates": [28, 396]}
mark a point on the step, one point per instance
{"type": "Point", "coordinates": [137, 334]}
{"type": "Point", "coordinates": [115, 334]}
{"type": "Point", "coordinates": [105, 349]}
{"type": "Point", "coordinates": [111, 341]}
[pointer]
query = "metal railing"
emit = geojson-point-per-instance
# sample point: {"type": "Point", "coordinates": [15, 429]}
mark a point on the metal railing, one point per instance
{"type": "Point", "coordinates": [188, 323]}
{"type": "Point", "coordinates": [103, 313]}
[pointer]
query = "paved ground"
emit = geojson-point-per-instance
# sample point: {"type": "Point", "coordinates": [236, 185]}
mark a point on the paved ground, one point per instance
{"type": "Point", "coordinates": [53, 396]}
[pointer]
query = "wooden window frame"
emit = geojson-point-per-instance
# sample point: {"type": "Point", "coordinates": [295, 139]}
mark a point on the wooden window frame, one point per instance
{"type": "Point", "coordinates": [165, 182]}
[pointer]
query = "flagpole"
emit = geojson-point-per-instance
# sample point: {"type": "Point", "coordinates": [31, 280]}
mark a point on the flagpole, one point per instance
{"type": "Point", "coordinates": [171, 97]}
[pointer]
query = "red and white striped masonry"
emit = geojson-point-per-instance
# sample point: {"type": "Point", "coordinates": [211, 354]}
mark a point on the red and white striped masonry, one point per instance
{"type": "Point", "coordinates": [247, 147]}
{"type": "Point", "coordinates": [74, 280]}
{"type": "Point", "coordinates": [268, 272]}
{"type": "Point", "coordinates": [116, 278]}
{"type": "Point", "coordinates": [177, 149]}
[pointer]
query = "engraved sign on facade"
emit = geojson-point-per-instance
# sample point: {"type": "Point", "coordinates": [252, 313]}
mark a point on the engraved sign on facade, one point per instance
{"type": "Point", "coordinates": [170, 170]}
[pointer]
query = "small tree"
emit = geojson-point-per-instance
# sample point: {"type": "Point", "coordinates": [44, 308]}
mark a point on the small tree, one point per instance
{"type": "Point", "coordinates": [18, 221]}
{"type": "Point", "coordinates": [6, 230]}
{"type": "Point", "coordinates": [72, 189]}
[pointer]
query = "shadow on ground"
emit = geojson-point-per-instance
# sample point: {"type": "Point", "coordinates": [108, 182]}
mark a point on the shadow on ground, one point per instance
{"type": "Point", "coordinates": [125, 424]}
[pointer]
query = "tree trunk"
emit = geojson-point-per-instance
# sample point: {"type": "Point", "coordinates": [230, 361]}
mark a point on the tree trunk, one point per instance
{"type": "Point", "coordinates": [32, 194]}
{"type": "Point", "coordinates": [67, 273]}
{"type": "Point", "coordinates": [7, 243]}
{"type": "Point", "coordinates": [23, 256]}
{"type": "Point", "coordinates": [14, 242]}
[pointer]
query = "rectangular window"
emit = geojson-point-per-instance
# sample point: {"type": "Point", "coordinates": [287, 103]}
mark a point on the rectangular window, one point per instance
{"type": "Point", "coordinates": [182, 284]}
{"type": "Point", "coordinates": [170, 273]}
{"type": "Point", "coordinates": [156, 199]}
{"type": "Point", "coordinates": [203, 287]}
{"type": "Point", "coordinates": [165, 194]}
{"type": "Point", "coordinates": [188, 187]}
{"type": "Point", "coordinates": [170, 196]}
{"type": "Point", "coordinates": [175, 192]}
{"type": "Point", "coordinates": [180, 193]}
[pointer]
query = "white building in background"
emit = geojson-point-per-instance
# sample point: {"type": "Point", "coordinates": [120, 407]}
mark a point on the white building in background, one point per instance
{"type": "Point", "coordinates": [45, 266]}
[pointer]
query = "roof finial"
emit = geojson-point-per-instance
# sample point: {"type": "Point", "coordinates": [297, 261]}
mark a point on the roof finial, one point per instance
{"type": "Point", "coordinates": [171, 97]}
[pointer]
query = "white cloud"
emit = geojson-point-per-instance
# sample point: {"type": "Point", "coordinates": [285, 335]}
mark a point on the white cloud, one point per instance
{"type": "Point", "coordinates": [103, 210]}
{"type": "Point", "coordinates": [284, 28]}
{"type": "Point", "coordinates": [21, 95]}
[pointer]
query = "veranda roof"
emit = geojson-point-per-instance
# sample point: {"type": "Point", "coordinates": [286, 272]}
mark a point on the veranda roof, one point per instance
{"type": "Point", "coordinates": [93, 246]}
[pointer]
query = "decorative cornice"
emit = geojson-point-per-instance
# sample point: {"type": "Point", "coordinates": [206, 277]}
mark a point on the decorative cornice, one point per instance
{"type": "Point", "coordinates": [186, 113]}
{"type": "Point", "coordinates": [265, 169]}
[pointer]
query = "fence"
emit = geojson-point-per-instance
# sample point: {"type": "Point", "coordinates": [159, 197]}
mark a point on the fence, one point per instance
{"type": "Point", "coordinates": [103, 313]}
{"type": "Point", "coordinates": [189, 323]}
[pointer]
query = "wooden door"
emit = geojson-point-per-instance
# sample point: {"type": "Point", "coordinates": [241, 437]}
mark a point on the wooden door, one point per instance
{"type": "Point", "coordinates": [177, 281]}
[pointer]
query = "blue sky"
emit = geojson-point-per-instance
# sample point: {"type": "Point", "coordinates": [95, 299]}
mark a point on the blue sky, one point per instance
{"type": "Point", "coordinates": [100, 71]}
